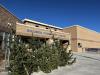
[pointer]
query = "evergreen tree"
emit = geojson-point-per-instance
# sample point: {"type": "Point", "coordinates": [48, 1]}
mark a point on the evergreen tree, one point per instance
{"type": "Point", "coordinates": [37, 56]}
{"type": "Point", "coordinates": [65, 57]}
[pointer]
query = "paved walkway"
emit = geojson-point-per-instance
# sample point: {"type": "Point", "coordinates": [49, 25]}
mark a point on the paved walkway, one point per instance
{"type": "Point", "coordinates": [87, 64]}
{"type": "Point", "coordinates": [91, 55]}
{"type": "Point", "coordinates": [3, 73]}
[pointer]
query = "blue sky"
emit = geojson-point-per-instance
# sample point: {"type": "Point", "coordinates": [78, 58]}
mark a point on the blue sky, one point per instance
{"type": "Point", "coordinates": [61, 13]}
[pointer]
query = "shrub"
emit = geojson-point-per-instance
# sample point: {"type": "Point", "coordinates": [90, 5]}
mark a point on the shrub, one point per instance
{"type": "Point", "coordinates": [37, 56]}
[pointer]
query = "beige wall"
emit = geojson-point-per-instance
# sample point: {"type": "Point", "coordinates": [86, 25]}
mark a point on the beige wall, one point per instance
{"type": "Point", "coordinates": [42, 26]}
{"type": "Point", "coordinates": [73, 32]}
{"type": "Point", "coordinates": [87, 37]}
{"type": "Point", "coordinates": [27, 30]}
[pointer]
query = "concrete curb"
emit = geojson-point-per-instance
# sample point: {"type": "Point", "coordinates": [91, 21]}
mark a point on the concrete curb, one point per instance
{"type": "Point", "coordinates": [86, 56]}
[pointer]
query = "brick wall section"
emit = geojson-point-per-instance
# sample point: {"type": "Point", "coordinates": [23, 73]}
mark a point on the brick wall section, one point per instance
{"type": "Point", "coordinates": [5, 18]}
{"type": "Point", "coordinates": [88, 38]}
{"type": "Point", "coordinates": [73, 32]}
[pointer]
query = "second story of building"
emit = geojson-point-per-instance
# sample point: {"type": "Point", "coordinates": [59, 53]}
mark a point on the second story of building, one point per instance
{"type": "Point", "coordinates": [38, 29]}
{"type": "Point", "coordinates": [41, 25]}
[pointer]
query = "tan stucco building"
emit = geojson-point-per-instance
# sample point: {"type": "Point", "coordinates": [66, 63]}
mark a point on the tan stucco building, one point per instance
{"type": "Point", "coordinates": [83, 39]}
{"type": "Point", "coordinates": [44, 32]}
{"type": "Point", "coordinates": [79, 38]}
{"type": "Point", "coordinates": [76, 38]}
{"type": "Point", "coordinates": [40, 30]}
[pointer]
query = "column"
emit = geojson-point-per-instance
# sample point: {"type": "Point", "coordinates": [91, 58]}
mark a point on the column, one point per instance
{"type": "Point", "coordinates": [3, 40]}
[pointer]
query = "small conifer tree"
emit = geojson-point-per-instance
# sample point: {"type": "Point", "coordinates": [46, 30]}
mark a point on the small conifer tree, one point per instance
{"type": "Point", "coordinates": [37, 56]}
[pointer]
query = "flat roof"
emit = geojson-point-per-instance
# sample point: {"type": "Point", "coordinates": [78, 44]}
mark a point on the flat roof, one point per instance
{"type": "Point", "coordinates": [33, 21]}
{"type": "Point", "coordinates": [83, 28]}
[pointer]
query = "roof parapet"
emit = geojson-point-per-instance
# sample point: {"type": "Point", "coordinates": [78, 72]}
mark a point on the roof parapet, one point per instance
{"type": "Point", "coordinates": [83, 28]}
{"type": "Point", "coordinates": [33, 21]}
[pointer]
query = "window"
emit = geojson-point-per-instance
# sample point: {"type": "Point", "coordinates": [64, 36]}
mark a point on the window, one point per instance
{"type": "Point", "coordinates": [79, 45]}
{"type": "Point", "coordinates": [47, 27]}
{"type": "Point", "coordinates": [55, 29]}
{"type": "Point", "coordinates": [36, 25]}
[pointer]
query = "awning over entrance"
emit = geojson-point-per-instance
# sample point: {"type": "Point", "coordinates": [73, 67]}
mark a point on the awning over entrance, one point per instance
{"type": "Point", "coordinates": [27, 30]}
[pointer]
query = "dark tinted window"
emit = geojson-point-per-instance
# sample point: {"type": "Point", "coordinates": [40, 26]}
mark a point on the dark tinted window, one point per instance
{"type": "Point", "coordinates": [79, 45]}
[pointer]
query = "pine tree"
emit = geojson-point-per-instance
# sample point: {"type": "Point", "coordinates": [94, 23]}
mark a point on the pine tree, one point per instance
{"type": "Point", "coordinates": [64, 57]}
{"type": "Point", "coordinates": [37, 56]}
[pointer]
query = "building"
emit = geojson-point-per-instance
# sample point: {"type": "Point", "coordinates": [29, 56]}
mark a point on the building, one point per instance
{"type": "Point", "coordinates": [83, 39]}
{"type": "Point", "coordinates": [6, 19]}
{"type": "Point", "coordinates": [44, 32]}
{"type": "Point", "coordinates": [76, 38]}
{"type": "Point", "coordinates": [26, 29]}
{"type": "Point", "coordinates": [79, 38]}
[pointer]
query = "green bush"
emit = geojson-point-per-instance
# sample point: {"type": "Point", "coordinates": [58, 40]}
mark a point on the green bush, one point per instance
{"type": "Point", "coordinates": [37, 56]}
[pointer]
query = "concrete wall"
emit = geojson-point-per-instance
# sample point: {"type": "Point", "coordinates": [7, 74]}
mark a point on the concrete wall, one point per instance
{"type": "Point", "coordinates": [73, 32]}
{"type": "Point", "coordinates": [88, 38]}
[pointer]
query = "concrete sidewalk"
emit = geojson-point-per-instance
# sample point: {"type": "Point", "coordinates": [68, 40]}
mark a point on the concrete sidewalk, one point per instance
{"type": "Point", "coordinates": [94, 56]}
{"type": "Point", "coordinates": [83, 66]}
{"type": "Point", "coordinates": [3, 73]}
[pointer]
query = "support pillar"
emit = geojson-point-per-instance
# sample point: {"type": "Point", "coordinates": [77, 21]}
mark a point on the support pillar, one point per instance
{"type": "Point", "coordinates": [3, 40]}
